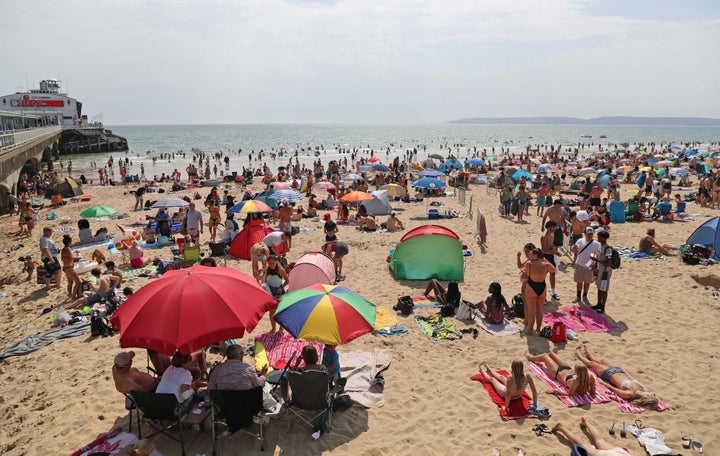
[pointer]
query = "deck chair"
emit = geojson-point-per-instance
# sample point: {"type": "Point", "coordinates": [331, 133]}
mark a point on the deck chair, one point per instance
{"type": "Point", "coordinates": [663, 210]}
{"type": "Point", "coordinates": [219, 250]}
{"type": "Point", "coordinates": [311, 393]}
{"type": "Point", "coordinates": [163, 227]}
{"type": "Point", "coordinates": [162, 412]}
{"type": "Point", "coordinates": [191, 255]}
{"type": "Point", "coordinates": [237, 411]}
{"type": "Point", "coordinates": [633, 210]}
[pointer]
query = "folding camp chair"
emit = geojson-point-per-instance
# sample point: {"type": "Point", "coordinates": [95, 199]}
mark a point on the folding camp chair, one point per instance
{"type": "Point", "coordinates": [162, 412]}
{"type": "Point", "coordinates": [680, 210]}
{"type": "Point", "coordinates": [311, 393]}
{"type": "Point", "coordinates": [163, 227]}
{"type": "Point", "coordinates": [237, 410]}
{"type": "Point", "coordinates": [219, 250]}
{"type": "Point", "coordinates": [191, 255]}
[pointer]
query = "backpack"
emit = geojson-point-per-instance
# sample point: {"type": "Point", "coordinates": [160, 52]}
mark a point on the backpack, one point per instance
{"type": "Point", "coordinates": [99, 326]}
{"type": "Point", "coordinates": [518, 306]}
{"type": "Point", "coordinates": [404, 305]}
{"type": "Point", "coordinates": [614, 258]}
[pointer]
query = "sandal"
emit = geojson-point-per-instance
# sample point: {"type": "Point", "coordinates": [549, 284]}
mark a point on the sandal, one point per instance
{"type": "Point", "coordinates": [687, 442]}
{"type": "Point", "coordinates": [697, 446]}
{"type": "Point", "coordinates": [541, 429]}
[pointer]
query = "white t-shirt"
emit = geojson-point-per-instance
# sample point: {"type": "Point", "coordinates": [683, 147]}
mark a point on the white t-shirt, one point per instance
{"type": "Point", "coordinates": [583, 258]}
{"type": "Point", "coordinates": [172, 379]}
{"type": "Point", "coordinates": [273, 239]}
{"type": "Point", "coordinates": [192, 218]}
{"type": "Point", "coordinates": [46, 242]}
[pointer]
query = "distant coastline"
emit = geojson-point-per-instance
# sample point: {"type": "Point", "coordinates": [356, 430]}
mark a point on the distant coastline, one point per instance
{"type": "Point", "coordinates": [613, 120]}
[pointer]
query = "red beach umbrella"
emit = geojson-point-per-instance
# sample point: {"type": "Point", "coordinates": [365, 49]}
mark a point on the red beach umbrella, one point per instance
{"type": "Point", "coordinates": [373, 159]}
{"type": "Point", "coordinates": [187, 309]}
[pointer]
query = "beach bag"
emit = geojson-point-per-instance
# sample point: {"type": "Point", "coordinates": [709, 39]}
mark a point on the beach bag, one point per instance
{"type": "Point", "coordinates": [559, 332]}
{"type": "Point", "coordinates": [546, 332]}
{"type": "Point", "coordinates": [404, 305]}
{"type": "Point", "coordinates": [99, 326]}
{"type": "Point", "coordinates": [518, 306]}
{"type": "Point", "coordinates": [465, 311]}
{"type": "Point", "coordinates": [447, 310]}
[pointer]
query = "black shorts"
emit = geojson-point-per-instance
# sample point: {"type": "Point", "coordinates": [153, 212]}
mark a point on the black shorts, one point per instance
{"type": "Point", "coordinates": [594, 201]}
{"type": "Point", "coordinates": [52, 266]}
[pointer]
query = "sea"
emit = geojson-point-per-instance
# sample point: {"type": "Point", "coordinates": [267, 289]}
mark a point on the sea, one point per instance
{"type": "Point", "coordinates": [238, 142]}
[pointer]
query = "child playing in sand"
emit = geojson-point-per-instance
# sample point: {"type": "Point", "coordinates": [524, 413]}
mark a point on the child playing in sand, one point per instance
{"type": "Point", "coordinates": [29, 266]}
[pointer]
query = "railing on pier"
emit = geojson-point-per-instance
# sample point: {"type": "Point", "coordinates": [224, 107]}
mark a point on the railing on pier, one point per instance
{"type": "Point", "coordinates": [15, 138]}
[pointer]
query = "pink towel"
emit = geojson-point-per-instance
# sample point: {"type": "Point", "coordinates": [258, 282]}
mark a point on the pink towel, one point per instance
{"type": "Point", "coordinates": [593, 321]}
{"type": "Point", "coordinates": [280, 346]}
{"type": "Point", "coordinates": [570, 323]}
{"type": "Point", "coordinates": [571, 401]}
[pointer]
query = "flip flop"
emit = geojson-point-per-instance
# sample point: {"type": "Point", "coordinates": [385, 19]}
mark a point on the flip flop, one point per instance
{"type": "Point", "coordinates": [697, 446]}
{"type": "Point", "coordinates": [687, 442]}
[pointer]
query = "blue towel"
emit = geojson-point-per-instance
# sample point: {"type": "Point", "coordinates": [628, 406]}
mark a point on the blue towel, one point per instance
{"type": "Point", "coordinates": [639, 255]}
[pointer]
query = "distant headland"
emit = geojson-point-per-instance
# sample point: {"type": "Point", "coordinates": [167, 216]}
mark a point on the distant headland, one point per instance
{"type": "Point", "coordinates": [614, 120]}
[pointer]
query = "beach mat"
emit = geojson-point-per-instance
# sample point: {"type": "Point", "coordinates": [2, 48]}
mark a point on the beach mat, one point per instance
{"type": "Point", "coordinates": [280, 346]}
{"type": "Point", "coordinates": [38, 340]}
{"type": "Point", "coordinates": [506, 328]}
{"type": "Point", "coordinates": [384, 318]}
{"type": "Point", "coordinates": [518, 409]}
{"type": "Point", "coordinates": [424, 301]}
{"type": "Point", "coordinates": [359, 368]}
{"type": "Point", "coordinates": [571, 401]}
{"type": "Point", "coordinates": [580, 319]}
{"type": "Point", "coordinates": [437, 328]}
{"type": "Point", "coordinates": [130, 273]}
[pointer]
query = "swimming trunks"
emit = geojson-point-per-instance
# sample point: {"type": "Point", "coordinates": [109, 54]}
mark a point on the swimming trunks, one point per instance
{"type": "Point", "coordinates": [563, 368]}
{"type": "Point", "coordinates": [558, 237]}
{"type": "Point", "coordinates": [550, 258]}
{"type": "Point", "coordinates": [609, 372]}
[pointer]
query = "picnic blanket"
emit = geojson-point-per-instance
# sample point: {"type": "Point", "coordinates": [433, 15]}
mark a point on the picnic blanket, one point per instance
{"type": "Point", "coordinates": [437, 328]}
{"type": "Point", "coordinates": [631, 253]}
{"type": "Point", "coordinates": [130, 273]}
{"type": "Point", "coordinates": [38, 340]}
{"type": "Point", "coordinates": [359, 368]}
{"type": "Point", "coordinates": [518, 409]}
{"type": "Point", "coordinates": [600, 397]}
{"type": "Point", "coordinates": [424, 301]}
{"type": "Point", "coordinates": [580, 319]}
{"type": "Point", "coordinates": [506, 328]}
{"type": "Point", "coordinates": [280, 346]}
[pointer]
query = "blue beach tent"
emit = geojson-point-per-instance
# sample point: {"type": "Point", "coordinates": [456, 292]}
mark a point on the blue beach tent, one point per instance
{"type": "Point", "coordinates": [707, 234]}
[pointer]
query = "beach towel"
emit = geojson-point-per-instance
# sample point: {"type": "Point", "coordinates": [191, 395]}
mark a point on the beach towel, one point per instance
{"type": "Point", "coordinates": [437, 328]}
{"type": "Point", "coordinates": [506, 328]}
{"type": "Point", "coordinates": [591, 320]}
{"type": "Point", "coordinates": [38, 340]}
{"type": "Point", "coordinates": [571, 401]}
{"type": "Point", "coordinates": [572, 324]}
{"type": "Point", "coordinates": [392, 330]}
{"type": "Point", "coordinates": [631, 253]}
{"type": "Point", "coordinates": [130, 273]}
{"type": "Point", "coordinates": [424, 301]}
{"type": "Point", "coordinates": [359, 368]}
{"type": "Point", "coordinates": [481, 227]}
{"type": "Point", "coordinates": [280, 346]}
{"type": "Point", "coordinates": [110, 443]}
{"type": "Point", "coordinates": [627, 407]}
{"type": "Point", "coordinates": [384, 318]}
{"type": "Point", "coordinates": [518, 408]}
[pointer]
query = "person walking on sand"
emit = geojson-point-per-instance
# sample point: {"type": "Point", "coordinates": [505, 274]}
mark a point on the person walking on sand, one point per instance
{"type": "Point", "coordinates": [603, 270]}
{"type": "Point", "coordinates": [557, 215]}
{"type": "Point", "coordinates": [194, 222]}
{"type": "Point", "coordinates": [583, 250]}
{"type": "Point", "coordinates": [549, 250]}
{"type": "Point", "coordinates": [68, 267]}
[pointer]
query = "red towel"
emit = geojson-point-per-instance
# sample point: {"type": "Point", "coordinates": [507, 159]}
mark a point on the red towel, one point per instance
{"type": "Point", "coordinates": [518, 409]}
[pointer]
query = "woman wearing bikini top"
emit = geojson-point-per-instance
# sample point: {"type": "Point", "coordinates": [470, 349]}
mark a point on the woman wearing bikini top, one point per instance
{"type": "Point", "coordinates": [512, 387]}
{"type": "Point", "coordinates": [578, 381]}
{"type": "Point", "coordinates": [536, 270]}
{"type": "Point", "coordinates": [618, 381]}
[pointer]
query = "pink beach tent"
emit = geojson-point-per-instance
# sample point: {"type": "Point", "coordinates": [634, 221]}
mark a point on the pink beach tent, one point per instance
{"type": "Point", "coordinates": [313, 267]}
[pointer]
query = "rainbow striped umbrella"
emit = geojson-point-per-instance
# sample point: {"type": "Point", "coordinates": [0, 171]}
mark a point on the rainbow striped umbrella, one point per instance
{"type": "Point", "coordinates": [250, 206]}
{"type": "Point", "coordinates": [330, 314]}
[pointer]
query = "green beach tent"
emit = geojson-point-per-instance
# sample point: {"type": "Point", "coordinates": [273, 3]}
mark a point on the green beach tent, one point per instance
{"type": "Point", "coordinates": [428, 252]}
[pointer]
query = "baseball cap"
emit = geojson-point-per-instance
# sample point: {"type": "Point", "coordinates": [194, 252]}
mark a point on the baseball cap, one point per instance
{"type": "Point", "coordinates": [393, 213]}
{"type": "Point", "coordinates": [122, 359]}
{"type": "Point", "coordinates": [589, 230]}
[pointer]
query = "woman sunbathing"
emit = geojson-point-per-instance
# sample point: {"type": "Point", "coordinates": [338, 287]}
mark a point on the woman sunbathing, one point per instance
{"type": "Point", "coordinates": [618, 381]}
{"type": "Point", "coordinates": [577, 381]}
{"type": "Point", "coordinates": [601, 446]}
{"type": "Point", "coordinates": [510, 388]}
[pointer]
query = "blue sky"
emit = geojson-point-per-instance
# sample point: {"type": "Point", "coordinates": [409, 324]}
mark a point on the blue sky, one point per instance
{"type": "Point", "coordinates": [274, 61]}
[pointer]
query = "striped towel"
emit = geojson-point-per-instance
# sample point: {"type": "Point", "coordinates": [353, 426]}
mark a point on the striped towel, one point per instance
{"type": "Point", "coordinates": [571, 401]}
{"type": "Point", "coordinates": [518, 408]}
{"type": "Point", "coordinates": [626, 406]}
{"type": "Point", "coordinates": [280, 346]}
{"type": "Point", "coordinates": [424, 301]}
{"type": "Point", "coordinates": [64, 229]}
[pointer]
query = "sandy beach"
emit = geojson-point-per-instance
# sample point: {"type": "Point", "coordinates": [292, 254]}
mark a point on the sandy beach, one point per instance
{"type": "Point", "coordinates": [62, 396]}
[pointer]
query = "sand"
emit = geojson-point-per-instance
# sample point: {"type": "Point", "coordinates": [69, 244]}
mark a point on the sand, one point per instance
{"type": "Point", "coordinates": [62, 396]}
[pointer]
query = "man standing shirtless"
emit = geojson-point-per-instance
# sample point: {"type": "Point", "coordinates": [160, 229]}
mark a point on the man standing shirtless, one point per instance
{"type": "Point", "coordinates": [557, 215]}
{"type": "Point", "coordinates": [549, 251]}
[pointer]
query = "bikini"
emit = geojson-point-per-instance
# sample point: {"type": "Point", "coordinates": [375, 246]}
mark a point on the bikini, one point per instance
{"type": "Point", "coordinates": [607, 374]}
{"type": "Point", "coordinates": [537, 287]}
{"type": "Point", "coordinates": [564, 368]}
{"type": "Point", "coordinates": [521, 389]}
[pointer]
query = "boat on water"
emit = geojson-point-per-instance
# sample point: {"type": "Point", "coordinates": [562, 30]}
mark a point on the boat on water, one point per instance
{"type": "Point", "coordinates": [586, 136]}
{"type": "Point", "coordinates": [603, 136]}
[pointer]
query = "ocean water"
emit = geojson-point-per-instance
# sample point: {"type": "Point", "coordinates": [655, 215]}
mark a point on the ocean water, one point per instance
{"type": "Point", "coordinates": [148, 141]}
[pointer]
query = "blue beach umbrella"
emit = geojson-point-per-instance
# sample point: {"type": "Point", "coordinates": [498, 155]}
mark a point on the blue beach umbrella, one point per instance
{"type": "Point", "coordinates": [380, 167]}
{"type": "Point", "coordinates": [352, 177]}
{"type": "Point", "coordinates": [476, 162]}
{"type": "Point", "coordinates": [544, 168]}
{"type": "Point", "coordinates": [679, 172]}
{"type": "Point", "coordinates": [429, 183]}
{"type": "Point", "coordinates": [457, 165]}
{"type": "Point", "coordinates": [431, 173]}
{"type": "Point", "coordinates": [517, 175]}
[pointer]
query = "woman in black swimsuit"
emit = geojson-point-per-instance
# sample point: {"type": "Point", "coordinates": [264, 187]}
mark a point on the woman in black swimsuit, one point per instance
{"type": "Point", "coordinates": [578, 381]}
{"type": "Point", "coordinates": [536, 270]}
